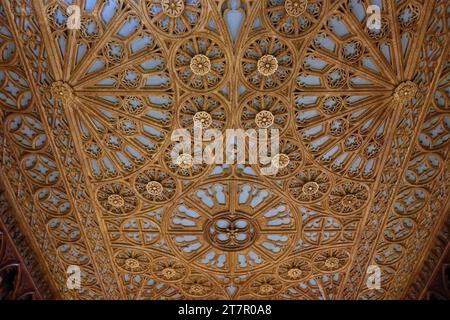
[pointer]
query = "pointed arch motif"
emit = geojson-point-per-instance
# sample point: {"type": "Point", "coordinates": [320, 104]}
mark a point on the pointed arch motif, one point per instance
{"type": "Point", "coordinates": [363, 116]}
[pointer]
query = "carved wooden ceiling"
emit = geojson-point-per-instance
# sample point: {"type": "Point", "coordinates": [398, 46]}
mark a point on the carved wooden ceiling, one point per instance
{"type": "Point", "coordinates": [87, 117]}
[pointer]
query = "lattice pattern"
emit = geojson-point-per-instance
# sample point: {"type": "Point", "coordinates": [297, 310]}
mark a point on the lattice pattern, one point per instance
{"type": "Point", "coordinates": [363, 114]}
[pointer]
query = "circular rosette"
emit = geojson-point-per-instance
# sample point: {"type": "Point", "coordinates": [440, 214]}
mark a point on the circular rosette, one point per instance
{"type": "Point", "coordinates": [133, 261]}
{"type": "Point", "coordinates": [201, 63]}
{"type": "Point", "coordinates": [267, 63]}
{"type": "Point", "coordinates": [155, 185]}
{"type": "Point", "coordinates": [169, 269]}
{"type": "Point", "coordinates": [183, 165]}
{"type": "Point", "coordinates": [331, 260]}
{"type": "Point", "coordinates": [266, 286]}
{"type": "Point", "coordinates": [348, 197]}
{"type": "Point", "coordinates": [231, 232]}
{"type": "Point", "coordinates": [265, 111]}
{"type": "Point", "coordinates": [295, 269]}
{"type": "Point", "coordinates": [310, 184]}
{"type": "Point", "coordinates": [197, 286]}
{"type": "Point", "coordinates": [175, 18]}
{"type": "Point", "coordinates": [206, 110]}
{"type": "Point", "coordinates": [205, 228]}
{"type": "Point", "coordinates": [293, 18]}
{"type": "Point", "coordinates": [286, 162]}
{"type": "Point", "coordinates": [117, 198]}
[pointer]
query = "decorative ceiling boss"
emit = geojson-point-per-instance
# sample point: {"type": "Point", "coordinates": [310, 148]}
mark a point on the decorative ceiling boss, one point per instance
{"type": "Point", "coordinates": [224, 149]}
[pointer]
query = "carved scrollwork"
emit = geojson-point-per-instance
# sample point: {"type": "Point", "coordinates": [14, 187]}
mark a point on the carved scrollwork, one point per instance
{"type": "Point", "coordinates": [309, 185]}
{"type": "Point", "coordinates": [348, 197]}
{"type": "Point", "coordinates": [141, 231]}
{"type": "Point", "coordinates": [331, 260]}
{"type": "Point", "coordinates": [133, 261]}
{"type": "Point", "coordinates": [294, 269]}
{"type": "Point", "coordinates": [168, 269]}
{"type": "Point", "coordinates": [265, 111]}
{"type": "Point", "coordinates": [423, 168]}
{"type": "Point", "coordinates": [265, 285]}
{"type": "Point", "coordinates": [205, 229]}
{"type": "Point", "coordinates": [197, 286]}
{"type": "Point", "coordinates": [155, 185]}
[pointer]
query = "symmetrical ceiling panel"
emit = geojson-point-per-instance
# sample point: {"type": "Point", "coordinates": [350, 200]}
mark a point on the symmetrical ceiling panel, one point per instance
{"type": "Point", "coordinates": [87, 116]}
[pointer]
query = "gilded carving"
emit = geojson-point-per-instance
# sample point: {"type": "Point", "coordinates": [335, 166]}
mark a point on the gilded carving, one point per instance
{"type": "Point", "coordinates": [362, 166]}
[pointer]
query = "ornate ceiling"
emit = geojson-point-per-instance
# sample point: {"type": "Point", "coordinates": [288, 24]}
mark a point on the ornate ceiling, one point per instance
{"type": "Point", "coordinates": [87, 115]}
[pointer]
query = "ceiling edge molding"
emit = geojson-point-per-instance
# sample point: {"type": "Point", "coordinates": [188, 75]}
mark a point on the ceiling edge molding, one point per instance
{"type": "Point", "coordinates": [431, 270]}
{"type": "Point", "coordinates": [20, 251]}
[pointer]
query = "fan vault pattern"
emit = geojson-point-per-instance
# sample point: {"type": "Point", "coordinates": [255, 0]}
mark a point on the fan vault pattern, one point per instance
{"type": "Point", "coordinates": [364, 119]}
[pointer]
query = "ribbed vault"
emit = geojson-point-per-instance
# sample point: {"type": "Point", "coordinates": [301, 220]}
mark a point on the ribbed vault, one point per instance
{"type": "Point", "coordinates": [87, 116]}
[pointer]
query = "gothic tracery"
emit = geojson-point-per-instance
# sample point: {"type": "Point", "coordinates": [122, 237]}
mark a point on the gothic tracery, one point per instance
{"type": "Point", "coordinates": [363, 115]}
